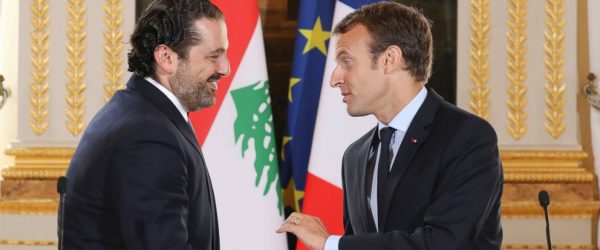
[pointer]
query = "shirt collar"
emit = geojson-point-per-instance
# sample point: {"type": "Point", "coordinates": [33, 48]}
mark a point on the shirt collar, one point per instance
{"type": "Point", "coordinates": [403, 119]}
{"type": "Point", "coordinates": [171, 97]}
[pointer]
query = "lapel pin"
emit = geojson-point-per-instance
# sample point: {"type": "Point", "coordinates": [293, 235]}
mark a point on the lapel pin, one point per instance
{"type": "Point", "coordinates": [413, 140]}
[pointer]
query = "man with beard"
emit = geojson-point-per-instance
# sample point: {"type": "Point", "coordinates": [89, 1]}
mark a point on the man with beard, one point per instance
{"type": "Point", "coordinates": [138, 179]}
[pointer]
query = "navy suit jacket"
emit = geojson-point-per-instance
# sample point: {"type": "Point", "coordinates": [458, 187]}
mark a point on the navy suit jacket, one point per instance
{"type": "Point", "coordinates": [138, 179]}
{"type": "Point", "coordinates": [443, 191]}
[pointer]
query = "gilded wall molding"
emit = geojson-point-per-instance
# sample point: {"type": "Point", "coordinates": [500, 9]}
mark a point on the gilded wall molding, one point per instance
{"type": "Point", "coordinates": [25, 173]}
{"type": "Point", "coordinates": [76, 47]}
{"type": "Point", "coordinates": [479, 65]}
{"type": "Point", "coordinates": [545, 166]}
{"type": "Point", "coordinates": [28, 243]}
{"type": "Point", "coordinates": [542, 154]}
{"type": "Point", "coordinates": [516, 49]}
{"type": "Point", "coordinates": [554, 48]}
{"type": "Point", "coordinates": [39, 163]}
{"type": "Point", "coordinates": [511, 176]}
{"type": "Point", "coordinates": [38, 97]}
{"type": "Point", "coordinates": [40, 152]}
{"type": "Point", "coordinates": [113, 47]}
{"type": "Point", "coordinates": [528, 209]}
{"type": "Point", "coordinates": [29, 207]}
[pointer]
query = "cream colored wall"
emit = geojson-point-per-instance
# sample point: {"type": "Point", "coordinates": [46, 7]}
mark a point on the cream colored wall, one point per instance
{"type": "Point", "coordinates": [57, 134]}
{"type": "Point", "coordinates": [564, 231]}
{"type": "Point", "coordinates": [9, 48]}
{"type": "Point", "coordinates": [40, 228]}
{"type": "Point", "coordinates": [536, 137]}
{"type": "Point", "coordinates": [16, 66]}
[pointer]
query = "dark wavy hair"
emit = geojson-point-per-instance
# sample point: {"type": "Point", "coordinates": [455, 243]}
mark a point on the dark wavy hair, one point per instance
{"type": "Point", "coordinates": [390, 24]}
{"type": "Point", "coordinates": [168, 22]}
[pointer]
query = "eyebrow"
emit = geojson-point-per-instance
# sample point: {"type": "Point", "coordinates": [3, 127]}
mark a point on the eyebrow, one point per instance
{"type": "Point", "coordinates": [341, 53]}
{"type": "Point", "coordinates": [218, 51]}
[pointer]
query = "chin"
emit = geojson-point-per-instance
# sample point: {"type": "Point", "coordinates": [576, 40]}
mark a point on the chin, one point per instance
{"type": "Point", "coordinates": [355, 113]}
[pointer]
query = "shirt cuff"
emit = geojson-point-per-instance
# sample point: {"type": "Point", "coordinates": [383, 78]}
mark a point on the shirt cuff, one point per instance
{"type": "Point", "coordinates": [332, 242]}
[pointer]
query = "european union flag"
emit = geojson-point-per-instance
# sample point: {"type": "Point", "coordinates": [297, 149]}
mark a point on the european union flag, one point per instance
{"type": "Point", "coordinates": [310, 53]}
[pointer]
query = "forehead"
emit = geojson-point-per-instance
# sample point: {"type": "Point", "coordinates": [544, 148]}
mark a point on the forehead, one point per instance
{"type": "Point", "coordinates": [356, 39]}
{"type": "Point", "coordinates": [213, 33]}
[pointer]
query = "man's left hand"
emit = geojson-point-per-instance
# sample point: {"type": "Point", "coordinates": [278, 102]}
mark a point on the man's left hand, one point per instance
{"type": "Point", "coordinates": [309, 229]}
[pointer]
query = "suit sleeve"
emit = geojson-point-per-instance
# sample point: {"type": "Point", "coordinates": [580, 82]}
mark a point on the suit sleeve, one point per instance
{"type": "Point", "coordinates": [348, 230]}
{"type": "Point", "coordinates": [468, 189]}
{"type": "Point", "coordinates": [149, 190]}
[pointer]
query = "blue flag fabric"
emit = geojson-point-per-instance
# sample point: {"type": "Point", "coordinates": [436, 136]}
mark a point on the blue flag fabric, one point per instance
{"type": "Point", "coordinates": [355, 4]}
{"type": "Point", "coordinates": [310, 53]}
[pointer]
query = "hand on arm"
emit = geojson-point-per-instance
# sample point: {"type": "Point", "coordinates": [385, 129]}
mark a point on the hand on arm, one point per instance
{"type": "Point", "coordinates": [309, 229]}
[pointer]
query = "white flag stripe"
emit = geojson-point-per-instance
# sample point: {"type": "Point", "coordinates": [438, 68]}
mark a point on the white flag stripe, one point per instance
{"type": "Point", "coordinates": [334, 129]}
{"type": "Point", "coordinates": [247, 219]}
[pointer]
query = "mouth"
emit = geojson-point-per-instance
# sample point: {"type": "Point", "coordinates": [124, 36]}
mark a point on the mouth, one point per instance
{"type": "Point", "coordinates": [346, 96]}
{"type": "Point", "coordinates": [213, 81]}
{"type": "Point", "coordinates": [214, 84]}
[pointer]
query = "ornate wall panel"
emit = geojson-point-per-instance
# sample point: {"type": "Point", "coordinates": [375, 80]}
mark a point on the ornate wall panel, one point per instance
{"type": "Point", "coordinates": [554, 48]}
{"type": "Point", "coordinates": [480, 39]}
{"type": "Point", "coordinates": [532, 67]}
{"type": "Point", "coordinates": [38, 96]}
{"type": "Point", "coordinates": [76, 36]}
{"type": "Point", "coordinates": [516, 49]}
{"type": "Point", "coordinates": [113, 47]}
{"type": "Point", "coordinates": [65, 86]}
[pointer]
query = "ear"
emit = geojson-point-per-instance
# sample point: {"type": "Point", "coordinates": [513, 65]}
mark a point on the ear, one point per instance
{"type": "Point", "coordinates": [392, 59]}
{"type": "Point", "coordinates": [166, 59]}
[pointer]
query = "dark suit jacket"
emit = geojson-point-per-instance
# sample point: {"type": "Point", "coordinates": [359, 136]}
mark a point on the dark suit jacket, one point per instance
{"type": "Point", "coordinates": [443, 191]}
{"type": "Point", "coordinates": [138, 179]}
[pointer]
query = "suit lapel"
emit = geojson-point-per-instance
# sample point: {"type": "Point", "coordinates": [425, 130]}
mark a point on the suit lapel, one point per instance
{"type": "Point", "coordinates": [415, 136]}
{"type": "Point", "coordinates": [362, 160]}
{"type": "Point", "coordinates": [158, 99]}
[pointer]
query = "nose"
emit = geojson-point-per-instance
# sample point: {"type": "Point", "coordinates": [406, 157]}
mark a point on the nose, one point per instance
{"type": "Point", "coordinates": [223, 67]}
{"type": "Point", "coordinates": [336, 77]}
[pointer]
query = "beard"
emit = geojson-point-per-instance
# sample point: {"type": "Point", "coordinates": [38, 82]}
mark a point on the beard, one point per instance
{"type": "Point", "coordinates": [193, 92]}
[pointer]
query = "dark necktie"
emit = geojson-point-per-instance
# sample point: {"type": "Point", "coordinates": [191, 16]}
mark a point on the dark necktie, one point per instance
{"type": "Point", "coordinates": [383, 167]}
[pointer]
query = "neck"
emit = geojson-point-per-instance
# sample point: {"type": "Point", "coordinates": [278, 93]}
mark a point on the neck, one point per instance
{"type": "Point", "coordinates": [163, 80]}
{"type": "Point", "coordinates": [399, 97]}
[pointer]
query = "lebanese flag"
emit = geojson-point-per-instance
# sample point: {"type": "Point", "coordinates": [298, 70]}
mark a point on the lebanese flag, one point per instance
{"type": "Point", "coordinates": [335, 130]}
{"type": "Point", "coordinates": [237, 139]}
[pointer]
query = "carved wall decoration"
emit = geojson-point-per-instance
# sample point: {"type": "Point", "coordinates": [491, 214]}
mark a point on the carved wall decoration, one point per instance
{"type": "Point", "coordinates": [76, 71]}
{"type": "Point", "coordinates": [479, 65]}
{"type": "Point", "coordinates": [113, 47]}
{"type": "Point", "coordinates": [38, 97]}
{"type": "Point", "coordinates": [554, 48]}
{"type": "Point", "coordinates": [517, 48]}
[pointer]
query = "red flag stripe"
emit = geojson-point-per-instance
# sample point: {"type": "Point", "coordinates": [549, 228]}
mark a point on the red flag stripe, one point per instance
{"type": "Point", "coordinates": [324, 200]}
{"type": "Point", "coordinates": [241, 18]}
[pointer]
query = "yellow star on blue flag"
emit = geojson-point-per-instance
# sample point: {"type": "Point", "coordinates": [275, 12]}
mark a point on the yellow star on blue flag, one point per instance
{"type": "Point", "coordinates": [316, 37]}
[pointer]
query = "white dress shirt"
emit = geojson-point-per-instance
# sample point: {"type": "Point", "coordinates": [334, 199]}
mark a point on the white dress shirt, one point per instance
{"type": "Point", "coordinates": [171, 97]}
{"type": "Point", "coordinates": [401, 122]}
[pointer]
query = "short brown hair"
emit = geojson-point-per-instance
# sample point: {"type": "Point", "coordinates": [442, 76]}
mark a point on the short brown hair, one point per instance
{"type": "Point", "coordinates": [168, 22]}
{"type": "Point", "coordinates": [391, 23]}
